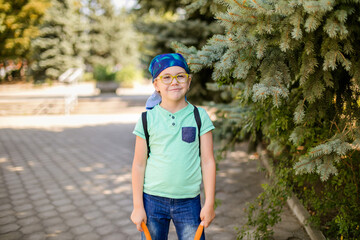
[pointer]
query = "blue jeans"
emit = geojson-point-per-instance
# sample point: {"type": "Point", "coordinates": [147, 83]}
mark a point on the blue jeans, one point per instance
{"type": "Point", "coordinates": [185, 214]}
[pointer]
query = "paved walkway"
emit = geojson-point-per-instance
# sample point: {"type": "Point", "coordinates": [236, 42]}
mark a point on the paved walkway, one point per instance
{"type": "Point", "coordinates": [69, 177]}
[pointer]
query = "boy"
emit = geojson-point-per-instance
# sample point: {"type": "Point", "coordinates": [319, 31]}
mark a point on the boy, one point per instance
{"type": "Point", "coordinates": [166, 177]}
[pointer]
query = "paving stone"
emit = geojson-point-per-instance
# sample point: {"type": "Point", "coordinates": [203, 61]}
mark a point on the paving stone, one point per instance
{"type": "Point", "coordinates": [75, 222]}
{"type": "Point", "coordinates": [41, 202]}
{"type": "Point", "coordinates": [63, 236]}
{"type": "Point", "coordinates": [99, 222]}
{"type": "Point", "coordinates": [9, 228]}
{"type": "Point", "coordinates": [91, 236]}
{"type": "Point", "coordinates": [70, 215]}
{"type": "Point", "coordinates": [96, 197]}
{"type": "Point", "coordinates": [116, 236]}
{"type": "Point", "coordinates": [51, 221]}
{"type": "Point", "coordinates": [14, 191]}
{"type": "Point", "coordinates": [25, 214]}
{"type": "Point", "coordinates": [28, 221]}
{"type": "Point", "coordinates": [110, 208]}
{"type": "Point", "coordinates": [131, 231]}
{"type": "Point", "coordinates": [31, 228]}
{"type": "Point", "coordinates": [36, 236]}
{"type": "Point", "coordinates": [38, 196]}
{"type": "Point", "coordinates": [117, 215]}
{"type": "Point", "coordinates": [45, 207]}
{"type": "Point", "coordinates": [104, 230]}
{"type": "Point", "coordinates": [66, 208]}
{"type": "Point", "coordinates": [61, 202]}
{"type": "Point", "coordinates": [18, 196]}
{"type": "Point", "coordinates": [11, 236]}
{"type": "Point", "coordinates": [7, 220]}
{"type": "Point", "coordinates": [93, 215]}
{"type": "Point", "coordinates": [6, 213]}
{"type": "Point", "coordinates": [4, 207]}
{"type": "Point", "coordinates": [34, 191]}
{"type": "Point", "coordinates": [48, 214]}
{"type": "Point", "coordinates": [103, 203]}
{"type": "Point", "coordinates": [88, 208]}
{"type": "Point", "coordinates": [19, 202]}
{"type": "Point", "coordinates": [23, 207]}
{"type": "Point", "coordinates": [124, 222]}
{"type": "Point", "coordinates": [3, 194]}
{"type": "Point", "coordinates": [58, 228]}
{"type": "Point", "coordinates": [82, 229]}
{"type": "Point", "coordinates": [125, 202]}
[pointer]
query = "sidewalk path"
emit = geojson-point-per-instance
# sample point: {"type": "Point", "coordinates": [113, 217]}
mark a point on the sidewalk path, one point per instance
{"type": "Point", "coordinates": [69, 177]}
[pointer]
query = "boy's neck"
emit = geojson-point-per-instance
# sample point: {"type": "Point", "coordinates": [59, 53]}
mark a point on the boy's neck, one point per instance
{"type": "Point", "coordinates": [173, 107]}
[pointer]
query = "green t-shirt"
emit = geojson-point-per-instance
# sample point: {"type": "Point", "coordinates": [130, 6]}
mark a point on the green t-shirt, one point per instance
{"type": "Point", "coordinates": [173, 168]}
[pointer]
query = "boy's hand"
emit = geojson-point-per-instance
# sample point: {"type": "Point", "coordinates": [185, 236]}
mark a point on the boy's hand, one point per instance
{"type": "Point", "coordinates": [138, 216]}
{"type": "Point", "coordinates": [207, 214]}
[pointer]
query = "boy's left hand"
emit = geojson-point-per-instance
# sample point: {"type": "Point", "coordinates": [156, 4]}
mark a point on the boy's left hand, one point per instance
{"type": "Point", "coordinates": [207, 214]}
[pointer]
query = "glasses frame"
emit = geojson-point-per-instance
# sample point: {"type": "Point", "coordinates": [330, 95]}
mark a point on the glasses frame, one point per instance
{"type": "Point", "coordinates": [172, 77]}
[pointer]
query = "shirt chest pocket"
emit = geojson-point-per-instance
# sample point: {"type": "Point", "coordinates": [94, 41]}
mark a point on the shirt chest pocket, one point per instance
{"type": "Point", "coordinates": [188, 134]}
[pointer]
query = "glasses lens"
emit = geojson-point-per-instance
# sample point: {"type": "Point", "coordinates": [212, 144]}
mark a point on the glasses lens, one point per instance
{"type": "Point", "coordinates": [166, 78]}
{"type": "Point", "coordinates": [182, 77]}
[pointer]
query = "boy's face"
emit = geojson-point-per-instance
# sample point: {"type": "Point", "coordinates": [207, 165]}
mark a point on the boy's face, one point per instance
{"type": "Point", "coordinates": [174, 91]}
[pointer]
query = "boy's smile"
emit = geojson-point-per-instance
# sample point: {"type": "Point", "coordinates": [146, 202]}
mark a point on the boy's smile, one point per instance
{"type": "Point", "coordinates": [174, 91]}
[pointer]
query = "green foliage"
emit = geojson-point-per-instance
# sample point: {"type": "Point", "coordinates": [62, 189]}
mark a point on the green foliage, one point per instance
{"type": "Point", "coordinates": [104, 73]}
{"type": "Point", "coordinates": [265, 211]}
{"type": "Point", "coordinates": [334, 205]}
{"type": "Point", "coordinates": [163, 22]}
{"type": "Point", "coordinates": [112, 38]}
{"type": "Point", "coordinates": [56, 48]}
{"type": "Point", "coordinates": [19, 21]}
{"type": "Point", "coordinates": [127, 75]}
{"type": "Point", "coordinates": [293, 71]}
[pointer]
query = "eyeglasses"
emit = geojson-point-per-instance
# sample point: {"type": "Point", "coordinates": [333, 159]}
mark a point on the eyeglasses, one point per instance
{"type": "Point", "coordinates": [168, 78]}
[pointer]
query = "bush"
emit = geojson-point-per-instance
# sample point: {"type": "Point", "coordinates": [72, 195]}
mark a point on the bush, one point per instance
{"type": "Point", "coordinates": [127, 75]}
{"type": "Point", "coordinates": [104, 73]}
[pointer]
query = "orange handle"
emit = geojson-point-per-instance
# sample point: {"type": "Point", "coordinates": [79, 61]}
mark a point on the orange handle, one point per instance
{"type": "Point", "coordinates": [146, 231]}
{"type": "Point", "coordinates": [199, 232]}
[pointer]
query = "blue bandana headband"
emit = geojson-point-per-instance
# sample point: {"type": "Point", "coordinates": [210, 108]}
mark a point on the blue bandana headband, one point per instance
{"type": "Point", "coordinates": [159, 64]}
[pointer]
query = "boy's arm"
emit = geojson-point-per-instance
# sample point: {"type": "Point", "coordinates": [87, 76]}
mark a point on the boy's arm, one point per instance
{"type": "Point", "coordinates": [208, 167]}
{"type": "Point", "coordinates": [138, 171]}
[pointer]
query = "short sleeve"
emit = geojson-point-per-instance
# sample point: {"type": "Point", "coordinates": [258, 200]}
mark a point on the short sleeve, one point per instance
{"type": "Point", "coordinates": [206, 123]}
{"type": "Point", "coordinates": [139, 130]}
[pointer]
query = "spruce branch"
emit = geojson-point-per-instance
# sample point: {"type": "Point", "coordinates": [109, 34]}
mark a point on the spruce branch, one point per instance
{"type": "Point", "coordinates": [243, 5]}
{"type": "Point", "coordinates": [318, 6]}
{"type": "Point", "coordinates": [311, 23]}
{"type": "Point", "coordinates": [260, 7]}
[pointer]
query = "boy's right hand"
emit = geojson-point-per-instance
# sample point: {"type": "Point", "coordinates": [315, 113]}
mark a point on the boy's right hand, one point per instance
{"type": "Point", "coordinates": [138, 216]}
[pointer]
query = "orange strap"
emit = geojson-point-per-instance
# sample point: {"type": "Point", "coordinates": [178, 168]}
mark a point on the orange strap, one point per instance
{"type": "Point", "coordinates": [198, 233]}
{"type": "Point", "coordinates": [146, 231]}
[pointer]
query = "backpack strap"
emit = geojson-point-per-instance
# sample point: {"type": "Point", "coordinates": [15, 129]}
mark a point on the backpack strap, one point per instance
{"type": "Point", "coordinates": [198, 123]}
{"type": "Point", "coordinates": [144, 122]}
{"type": "Point", "coordinates": [145, 126]}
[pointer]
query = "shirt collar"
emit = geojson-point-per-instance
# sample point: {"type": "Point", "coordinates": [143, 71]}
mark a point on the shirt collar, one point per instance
{"type": "Point", "coordinates": [188, 108]}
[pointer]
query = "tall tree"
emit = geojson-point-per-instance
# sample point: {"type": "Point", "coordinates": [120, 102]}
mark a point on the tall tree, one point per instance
{"type": "Point", "coordinates": [293, 68]}
{"type": "Point", "coordinates": [18, 24]}
{"type": "Point", "coordinates": [19, 20]}
{"type": "Point", "coordinates": [55, 49]}
{"type": "Point", "coordinates": [113, 40]}
{"type": "Point", "coordinates": [163, 22]}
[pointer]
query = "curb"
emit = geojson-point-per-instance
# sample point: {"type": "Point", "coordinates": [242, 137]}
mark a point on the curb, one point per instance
{"type": "Point", "coordinates": [293, 202]}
